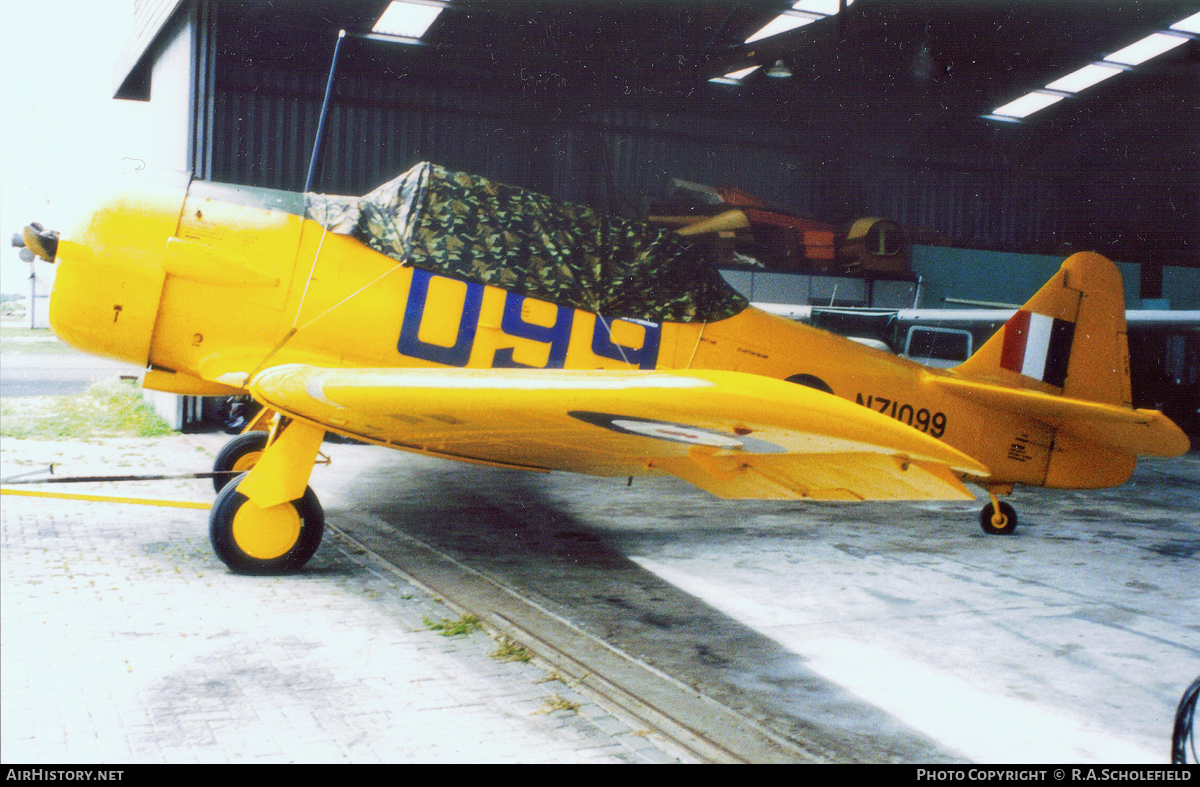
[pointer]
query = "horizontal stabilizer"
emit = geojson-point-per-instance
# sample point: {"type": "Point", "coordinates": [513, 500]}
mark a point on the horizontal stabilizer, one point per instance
{"type": "Point", "coordinates": [1140, 432]}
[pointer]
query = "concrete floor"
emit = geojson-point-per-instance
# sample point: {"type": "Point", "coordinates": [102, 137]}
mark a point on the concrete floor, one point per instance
{"type": "Point", "coordinates": [125, 640]}
{"type": "Point", "coordinates": [866, 633]}
{"type": "Point", "coordinates": [875, 632]}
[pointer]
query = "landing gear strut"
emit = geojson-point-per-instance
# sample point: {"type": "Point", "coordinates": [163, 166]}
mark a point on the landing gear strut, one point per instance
{"type": "Point", "coordinates": [243, 452]}
{"type": "Point", "coordinates": [998, 518]}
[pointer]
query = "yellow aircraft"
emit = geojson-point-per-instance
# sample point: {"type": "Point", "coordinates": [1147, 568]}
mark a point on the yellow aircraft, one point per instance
{"type": "Point", "coordinates": [452, 316]}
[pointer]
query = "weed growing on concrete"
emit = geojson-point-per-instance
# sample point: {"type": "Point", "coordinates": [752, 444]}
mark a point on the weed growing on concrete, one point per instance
{"type": "Point", "coordinates": [558, 702]}
{"type": "Point", "coordinates": [555, 675]}
{"type": "Point", "coordinates": [453, 628]}
{"type": "Point", "coordinates": [507, 650]}
{"type": "Point", "coordinates": [107, 409]}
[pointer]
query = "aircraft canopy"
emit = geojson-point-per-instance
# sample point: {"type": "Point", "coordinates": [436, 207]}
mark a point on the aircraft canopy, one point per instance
{"type": "Point", "coordinates": [471, 228]}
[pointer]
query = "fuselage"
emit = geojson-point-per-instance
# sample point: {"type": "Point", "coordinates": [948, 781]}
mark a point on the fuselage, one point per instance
{"type": "Point", "coordinates": [211, 285]}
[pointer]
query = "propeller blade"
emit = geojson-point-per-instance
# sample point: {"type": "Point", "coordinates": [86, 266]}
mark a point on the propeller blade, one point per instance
{"type": "Point", "coordinates": [42, 242]}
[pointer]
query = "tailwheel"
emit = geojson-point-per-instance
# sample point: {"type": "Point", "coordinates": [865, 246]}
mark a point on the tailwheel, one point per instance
{"type": "Point", "coordinates": [238, 456]}
{"type": "Point", "coordinates": [275, 540]}
{"type": "Point", "coordinates": [998, 520]}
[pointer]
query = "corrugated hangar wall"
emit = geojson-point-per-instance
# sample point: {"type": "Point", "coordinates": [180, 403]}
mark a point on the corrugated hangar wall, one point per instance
{"type": "Point", "coordinates": [264, 119]}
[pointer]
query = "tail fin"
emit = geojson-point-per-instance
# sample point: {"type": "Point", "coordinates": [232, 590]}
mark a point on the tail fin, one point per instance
{"type": "Point", "coordinates": [1063, 360]}
{"type": "Point", "coordinates": [1068, 340]}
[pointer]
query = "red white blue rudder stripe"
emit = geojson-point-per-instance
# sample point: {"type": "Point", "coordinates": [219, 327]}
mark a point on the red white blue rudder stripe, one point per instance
{"type": "Point", "coordinates": [1038, 346]}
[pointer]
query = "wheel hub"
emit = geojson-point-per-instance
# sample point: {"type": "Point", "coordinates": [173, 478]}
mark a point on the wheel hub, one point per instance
{"type": "Point", "coordinates": [266, 533]}
{"type": "Point", "coordinates": [247, 462]}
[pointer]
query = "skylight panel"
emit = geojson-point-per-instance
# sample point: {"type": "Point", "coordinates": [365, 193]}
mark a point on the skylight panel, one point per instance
{"type": "Point", "coordinates": [1189, 25]}
{"type": "Point", "coordinates": [827, 7]}
{"type": "Point", "coordinates": [735, 77]}
{"type": "Point", "coordinates": [1083, 78]}
{"type": "Point", "coordinates": [1125, 59]}
{"type": "Point", "coordinates": [780, 24]}
{"type": "Point", "coordinates": [819, 9]}
{"type": "Point", "coordinates": [1026, 105]}
{"type": "Point", "coordinates": [1151, 46]}
{"type": "Point", "coordinates": [408, 20]}
{"type": "Point", "coordinates": [742, 72]}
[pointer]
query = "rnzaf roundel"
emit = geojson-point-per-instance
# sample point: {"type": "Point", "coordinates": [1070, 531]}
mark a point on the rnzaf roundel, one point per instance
{"type": "Point", "coordinates": [1038, 346]}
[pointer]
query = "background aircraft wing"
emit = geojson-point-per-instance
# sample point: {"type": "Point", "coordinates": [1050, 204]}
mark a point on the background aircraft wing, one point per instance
{"type": "Point", "coordinates": [733, 434]}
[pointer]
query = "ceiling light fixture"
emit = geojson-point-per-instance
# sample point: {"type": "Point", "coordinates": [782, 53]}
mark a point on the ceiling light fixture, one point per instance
{"type": "Point", "coordinates": [779, 70]}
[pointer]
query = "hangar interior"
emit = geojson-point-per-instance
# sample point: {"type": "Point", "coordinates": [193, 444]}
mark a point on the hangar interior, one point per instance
{"type": "Point", "coordinates": [893, 157]}
{"type": "Point", "coordinates": [861, 109]}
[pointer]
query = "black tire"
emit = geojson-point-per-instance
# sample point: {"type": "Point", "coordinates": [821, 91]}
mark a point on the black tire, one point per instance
{"type": "Point", "coordinates": [294, 553]}
{"type": "Point", "coordinates": [1010, 520]}
{"type": "Point", "coordinates": [234, 455]}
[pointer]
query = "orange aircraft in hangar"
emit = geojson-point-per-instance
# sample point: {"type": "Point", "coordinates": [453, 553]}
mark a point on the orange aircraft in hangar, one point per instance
{"type": "Point", "coordinates": [452, 316]}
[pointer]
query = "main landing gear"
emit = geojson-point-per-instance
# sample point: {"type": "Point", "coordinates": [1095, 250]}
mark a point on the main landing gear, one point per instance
{"type": "Point", "coordinates": [238, 456]}
{"type": "Point", "coordinates": [998, 518]}
{"type": "Point", "coordinates": [267, 520]}
{"type": "Point", "coordinates": [273, 540]}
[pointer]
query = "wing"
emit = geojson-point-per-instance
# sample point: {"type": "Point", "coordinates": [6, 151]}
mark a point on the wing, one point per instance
{"type": "Point", "coordinates": [733, 434]}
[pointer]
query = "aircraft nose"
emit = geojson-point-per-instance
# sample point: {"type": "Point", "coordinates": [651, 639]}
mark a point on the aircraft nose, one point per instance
{"type": "Point", "coordinates": [110, 270]}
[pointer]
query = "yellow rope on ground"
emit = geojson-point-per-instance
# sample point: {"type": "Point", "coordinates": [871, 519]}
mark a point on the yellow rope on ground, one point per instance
{"type": "Point", "coordinates": [139, 501]}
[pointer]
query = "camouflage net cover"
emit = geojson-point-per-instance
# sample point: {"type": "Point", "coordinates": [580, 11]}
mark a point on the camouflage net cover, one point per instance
{"type": "Point", "coordinates": [471, 228]}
